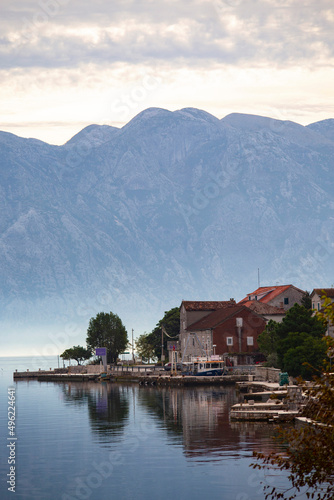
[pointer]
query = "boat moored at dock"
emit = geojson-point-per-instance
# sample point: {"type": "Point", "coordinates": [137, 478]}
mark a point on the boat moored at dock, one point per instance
{"type": "Point", "coordinates": [202, 367]}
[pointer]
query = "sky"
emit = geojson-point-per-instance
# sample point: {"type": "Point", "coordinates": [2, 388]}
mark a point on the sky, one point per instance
{"type": "Point", "coordinates": [65, 64]}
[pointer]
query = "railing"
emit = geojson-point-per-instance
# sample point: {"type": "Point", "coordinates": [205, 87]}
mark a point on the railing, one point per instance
{"type": "Point", "coordinates": [233, 370]}
{"type": "Point", "coordinates": [136, 369]}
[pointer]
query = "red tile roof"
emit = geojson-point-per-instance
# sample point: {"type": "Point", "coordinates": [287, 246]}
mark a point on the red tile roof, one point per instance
{"type": "Point", "coordinates": [267, 293]}
{"type": "Point", "coordinates": [264, 309]}
{"type": "Point", "coordinates": [206, 305]}
{"type": "Point", "coordinates": [215, 318]}
{"type": "Point", "coordinates": [320, 291]}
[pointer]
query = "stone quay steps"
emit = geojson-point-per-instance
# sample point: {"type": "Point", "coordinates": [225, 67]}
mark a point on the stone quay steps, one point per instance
{"type": "Point", "coordinates": [270, 411]}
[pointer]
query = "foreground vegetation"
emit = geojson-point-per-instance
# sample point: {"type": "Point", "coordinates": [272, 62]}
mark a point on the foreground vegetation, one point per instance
{"type": "Point", "coordinates": [309, 454]}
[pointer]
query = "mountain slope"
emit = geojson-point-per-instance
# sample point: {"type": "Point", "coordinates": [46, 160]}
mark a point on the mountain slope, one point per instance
{"type": "Point", "coordinates": [174, 205]}
{"type": "Point", "coordinates": [324, 127]}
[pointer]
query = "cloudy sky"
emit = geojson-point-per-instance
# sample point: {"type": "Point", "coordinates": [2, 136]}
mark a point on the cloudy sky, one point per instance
{"type": "Point", "coordinates": [69, 63]}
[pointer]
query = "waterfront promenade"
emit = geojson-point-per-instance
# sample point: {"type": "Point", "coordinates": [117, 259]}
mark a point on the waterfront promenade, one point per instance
{"type": "Point", "coordinates": [142, 375]}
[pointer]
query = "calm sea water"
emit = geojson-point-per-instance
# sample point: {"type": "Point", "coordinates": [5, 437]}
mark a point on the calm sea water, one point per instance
{"type": "Point", "coordinates": [122, 441]}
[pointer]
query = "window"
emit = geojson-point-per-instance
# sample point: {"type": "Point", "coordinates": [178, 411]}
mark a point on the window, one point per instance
{"type": "Point", "coordinates": [318, 306]}
{"type": "Point", "coordinates": [250, 341]}
{"type": "Point", "coordinates": [229, 340]}
{"type": "Point", "coordinates": [286, 301]}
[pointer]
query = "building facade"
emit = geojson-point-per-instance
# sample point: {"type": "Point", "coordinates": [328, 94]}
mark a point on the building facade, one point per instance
{"type": "Point", "coordinates": [282, 296]}
{"type": "Point", "coordinates": [191, 312]}
{"type": "Point", "coordinates": [318, 302]}
{"type": "Point", "coordinates": [230, 332]}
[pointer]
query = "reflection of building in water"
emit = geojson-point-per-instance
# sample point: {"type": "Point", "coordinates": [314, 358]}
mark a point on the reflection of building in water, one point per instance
{"type": "Point", "coordinates": [201, 408]}
{"type": "Point", "coordinates": [195, 418]}
{"type": "Point", "coordinates": [260, 435]}
{"type": "Point", "coordinates": [205, 417]}
{"type": "Point", "coordinates": [199, 419]}
{"type": "Point", "coordinates": [206, 426]}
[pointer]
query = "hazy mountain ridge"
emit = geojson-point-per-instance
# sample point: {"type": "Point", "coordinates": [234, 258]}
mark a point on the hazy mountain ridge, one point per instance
{"type": "Point", "coordinates": [324, 127]}
{"type": "Point", "coordinates": [173, 205]}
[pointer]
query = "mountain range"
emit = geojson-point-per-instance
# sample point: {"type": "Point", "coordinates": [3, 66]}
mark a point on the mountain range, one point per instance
{"type": "Point", "coordinates": [172, 206]}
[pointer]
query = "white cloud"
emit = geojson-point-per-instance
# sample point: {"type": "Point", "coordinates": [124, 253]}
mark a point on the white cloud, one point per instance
{"type": "Point", "coordinates": [78, 62]}
{"type": "Point", "coordinates": [228, 32]}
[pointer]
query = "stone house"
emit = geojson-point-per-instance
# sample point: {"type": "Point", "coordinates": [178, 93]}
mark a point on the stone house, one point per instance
{"type": "Point", "coordinates": [282, 296]}
{"type": "Point", "coordinates": [316, 295]}
{"type": "Point", "coordinates": [317, 303]}
{"type": "Point", "coordinates": [193, 311]}
{"type": "Point", "coordinates": [229, 331]}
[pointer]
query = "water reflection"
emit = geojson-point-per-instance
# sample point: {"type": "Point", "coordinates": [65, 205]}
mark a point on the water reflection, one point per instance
{"type": "Point", "coordinates": [108, 404]}
{"type": "Point", "coordinates": [195, 418]}
{"type": "Point", "coordinates": [90, 440]}
{"type": "Point", "coordinates": [201, 417]}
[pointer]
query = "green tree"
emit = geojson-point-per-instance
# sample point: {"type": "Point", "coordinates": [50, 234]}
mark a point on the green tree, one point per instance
{"type": "Point", "coordinates": [78, 353]}
{"type": "Point", "coordinates": [268, 340]}
{"type": "Point", "coordinates": [300, 319]}
{"type": "Point", "coordinates": [144, 348]}
{"type": "Point", "coordinates": [300, 341]}
{"type": "Point", "coordinates": [309, 455]}
{"type": "Point", "coordinates": [171, 323]}
{"type": "Point", "coordinates": [306, 300]}
{"type": "Point", "coordinates": [303, 354]}
{"type": "Point", "coordinates": [107, 330]}
{"type": "Point", "coordinates": [295, 341]}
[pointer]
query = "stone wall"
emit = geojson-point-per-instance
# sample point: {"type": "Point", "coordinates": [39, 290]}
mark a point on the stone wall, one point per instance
{"type": "Point", "coordinates": [268, 374]}
{"type": "Point", "coordinates": [86, 369]}
{"type": "Point", "coordinates": [292, 294]}
{"type": "Point", "coordinates": [77, 369]}
{"type": "Point", "coordinates": [96, 368]}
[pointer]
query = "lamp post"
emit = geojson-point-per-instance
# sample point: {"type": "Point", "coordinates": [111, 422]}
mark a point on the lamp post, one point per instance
{"type": "Point", "coordinates": [162, 344]}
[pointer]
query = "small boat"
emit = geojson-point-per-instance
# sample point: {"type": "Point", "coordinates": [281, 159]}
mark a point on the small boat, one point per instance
{"type": "Point", "coordinates": [202, 367]}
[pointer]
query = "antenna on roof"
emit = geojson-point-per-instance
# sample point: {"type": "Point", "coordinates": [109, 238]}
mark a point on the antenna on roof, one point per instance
{"type": "Point", "coordinates": [258, 277]}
